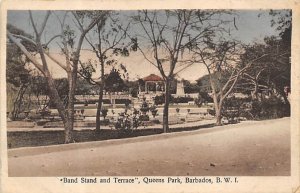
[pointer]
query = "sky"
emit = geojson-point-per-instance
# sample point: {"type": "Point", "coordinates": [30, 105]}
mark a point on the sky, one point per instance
{"type": "Point", "coordinates": [250, 28]}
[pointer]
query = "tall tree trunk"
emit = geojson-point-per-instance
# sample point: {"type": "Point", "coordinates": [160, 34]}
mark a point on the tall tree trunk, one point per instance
{"type": "Point", "coordinates": [68, 125]}
{"type": "Point", "coordinates": [29, 101]}
{"type": "Point", "coordinates": [217, 101]}
{"type": "Point", "coordinates": [21, 96]}
{"type": "Point", "coordinates": [54, 96]}
{"type": "Point", "coordinates": [71, 98]}
{"type": "Point", "coordinates": [218, 112]}
{"type": "Point", "coordinates": [100, 99]}
{"type": "Point", "coordinates": [66, 115]}
{"type": "Point", "coordinates": [99, 107]}
{"type": "Point", "coordinates": [255, 92]}
{"type": "Point", "coordinates": [166, 108]}
{"type": "Point", "coordinates": [16, 106]}
{"type": "Point", "coordinates": [218, 117]}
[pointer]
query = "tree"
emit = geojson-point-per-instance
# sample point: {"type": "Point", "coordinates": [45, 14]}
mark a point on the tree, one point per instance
{"type": "Point", "coordinates": [224, 67]}
{"type": "Point", "coordinates": [114, 82]}
{"type": "Point", "coordinates": [72, 54]}
{"type": "Point", "coordinates": [167, 35]}
{"type": "Point", "coordinates": [254, 80]}
{"type": "Point", "coordinates": [109, 44]}
{"type": "Point", "coordinates": [190, 87]}
{"type": "Point", "coordinates": [133, 87]}
{"type": "Point", "coordinates": [272, 73]}
{"type": "Point", "coordinates": [283, 20]}
{"type": "Point", "coordinates": [203, 83]}
{"type": "Point", "coordinates": [18, 75]}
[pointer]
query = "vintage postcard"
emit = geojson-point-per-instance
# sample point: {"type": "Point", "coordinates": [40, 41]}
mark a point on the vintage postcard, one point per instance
{"type": "Point", "coordinates": [160, 96]}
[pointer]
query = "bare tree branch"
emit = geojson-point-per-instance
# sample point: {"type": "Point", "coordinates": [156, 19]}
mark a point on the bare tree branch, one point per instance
{"type": "Point", "coordinates": [33, 24]}
{"type": "Point", "coordinates": [24, 50]}
{"type": "Point", "coordinates": [57, 62]}
{"type": "Point", "coordinates": [24, 38]}
{"type": "Point", "coordinates": [44, 23]}
{"type": "Point", "coordinates": [56, 36]}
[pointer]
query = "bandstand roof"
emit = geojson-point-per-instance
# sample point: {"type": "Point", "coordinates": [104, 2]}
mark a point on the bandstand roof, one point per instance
{"type": "Point", "coordinates": [152, 77]}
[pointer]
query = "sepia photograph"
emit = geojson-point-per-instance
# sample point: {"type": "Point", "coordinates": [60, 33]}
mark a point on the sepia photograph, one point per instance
{"type": "Point", "coordinates": [172, 92]}
{"type": "Point", "coordinates": [131, 96]}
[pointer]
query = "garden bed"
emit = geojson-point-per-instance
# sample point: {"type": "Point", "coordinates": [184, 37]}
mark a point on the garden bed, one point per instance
{"type": "Point", "coordinates": [18, 139]}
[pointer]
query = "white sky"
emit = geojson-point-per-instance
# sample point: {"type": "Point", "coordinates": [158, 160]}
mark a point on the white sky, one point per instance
{"type": "Point", "coordinates": [250, 28]}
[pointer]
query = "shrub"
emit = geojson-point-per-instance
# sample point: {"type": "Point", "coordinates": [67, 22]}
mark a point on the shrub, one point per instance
{"type": "Point", "coordinates": [231, 109]}
{"type": "Point", "coordinates": [144, 118]}
{"type": "Point", "coordinates": [206, 98]}
{"type": "Point", "coordinates": [92, 101]}
{"type": "Point", "coordinates": [211, 112]}
{"type": "Point", "coordinates": [199, 101]}
{"type": "Point", "coordinates": [104, 112]}
{"type": "Point", "coordinates": [270, 108]}
{"type": "Point", "coordinates": [153, 110]}
{"type": "Point", "coordinates": [159, 100]}
{"type": "Point", "coordinates": [123, 101]}
{"type": "Point", "coordinates": [127, 123]}
{"type": "Point", "coordinates": [182, 99]}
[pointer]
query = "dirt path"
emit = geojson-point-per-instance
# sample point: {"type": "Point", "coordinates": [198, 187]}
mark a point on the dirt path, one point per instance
{"type": "Point", "coordinates": [261, 148]}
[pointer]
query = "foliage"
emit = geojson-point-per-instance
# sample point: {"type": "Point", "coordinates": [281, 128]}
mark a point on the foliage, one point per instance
{"type": "Point", "coordinates": [123, 101]}
{"type": "Point", "coordinates": [27, 44]}
{"type": "Point", "coordinates": [272, 73]}
{"type": "Point", "coordinates": [282, 19]}
{"type": "Point", "coordinates": [104, 112]}
{"type": "Point", "coordinates": [144, 106]}
{"type": "Point", "coordinates": [16, 71]}
{"type": "Point", "coordinates": [199, 101]}
{"type": "Point", "coordinates": [160, 99]}
{"type": "Point", "coordinates": [211, 112]}
{"type": "Point", "coordinates": [87, 69]}
{"type": "Point", "coordinates": [133, 88]}
{"type": "Point", "coordinates": [18, 74]}
{"type": "Point", "coordinates": [153, 110]}
{"type": "Point", "coordinates": [270, 108]}
{"type": "Point", "coordinates": [231, 109]}
{"type": "Point", "coordinates": [170, 34]}
{"type": "Point", "coordinates": [190, 87]}
{"type": "Point", "coordinates": [182, 99]}
{"type": "Point", "coordinates": [204, 84]}
{"type": "Point", "coordinates": [144, 117]}
{"type": "Point", "coordinates": [114, 82]}
{"type": "Point", "coordinates": [203, 97]}
{"type": "Point", "coordinates": [127, 123]}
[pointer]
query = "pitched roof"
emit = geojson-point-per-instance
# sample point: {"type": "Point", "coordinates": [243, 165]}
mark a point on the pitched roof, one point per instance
{"type": "Point", "coordinates": [152, 77]}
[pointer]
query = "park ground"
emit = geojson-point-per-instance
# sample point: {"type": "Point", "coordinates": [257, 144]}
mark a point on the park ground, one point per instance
{"type": "Point", "coordinates": [251, 148]}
